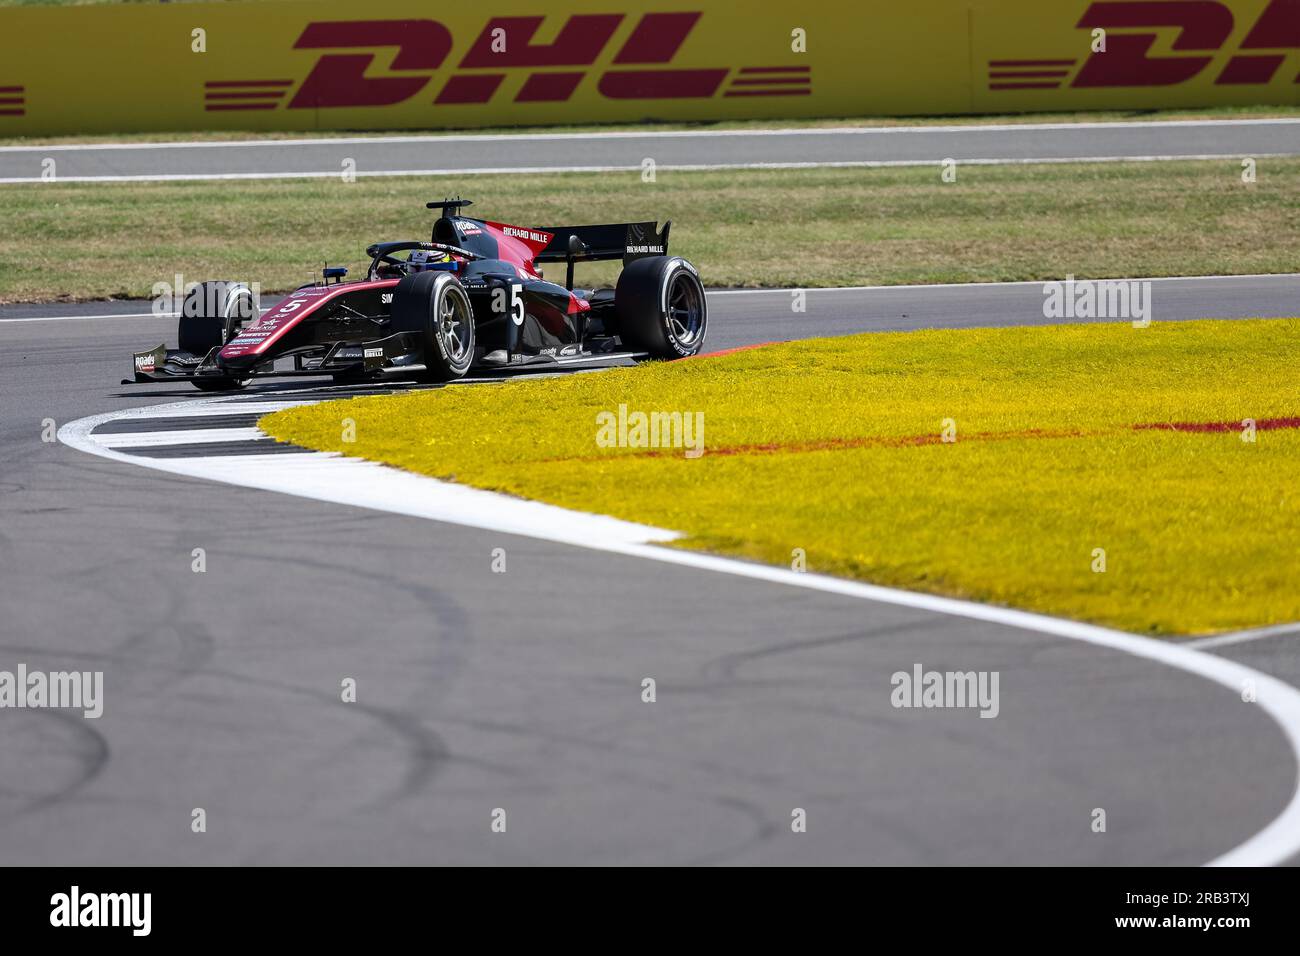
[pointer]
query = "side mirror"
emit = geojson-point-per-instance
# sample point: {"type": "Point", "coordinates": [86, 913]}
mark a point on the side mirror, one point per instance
{"type": "Point", "coordinates": [576, 246]}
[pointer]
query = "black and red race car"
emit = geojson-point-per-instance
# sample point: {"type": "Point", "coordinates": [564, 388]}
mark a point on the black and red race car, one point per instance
{"type": "Point", "coordinates": [471, 297]}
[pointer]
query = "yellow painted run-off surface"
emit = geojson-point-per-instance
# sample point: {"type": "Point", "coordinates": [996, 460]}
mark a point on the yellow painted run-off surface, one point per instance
{"type": "Point", "coordinates": [337, 65]}
{"type": "Point", "coordinates": [1143, 478]}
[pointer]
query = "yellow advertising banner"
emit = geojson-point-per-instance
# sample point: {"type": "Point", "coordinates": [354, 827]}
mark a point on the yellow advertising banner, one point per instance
{"type": "Point", "coordinates": [419, 65]}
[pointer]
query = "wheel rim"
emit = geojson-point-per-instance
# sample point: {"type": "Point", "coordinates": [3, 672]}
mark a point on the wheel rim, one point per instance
{"type": "Point", "coordinates": [455, 325]}
{"type": "Point", "coordinates": [685, 309]}
{"type": "Point", "coordinates": [235, 323]}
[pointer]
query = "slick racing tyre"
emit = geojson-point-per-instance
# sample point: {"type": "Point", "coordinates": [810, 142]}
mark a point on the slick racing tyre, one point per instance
{"type": "Point", "coordinates": [436, 307]}
{"type": "Point", "coordinates": [212, 314]}
{"type": "Point", "coordinates": [661, 307]}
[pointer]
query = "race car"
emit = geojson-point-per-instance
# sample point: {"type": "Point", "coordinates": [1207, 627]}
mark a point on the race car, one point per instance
{"type": "Point", "coordinates": [473, 296]}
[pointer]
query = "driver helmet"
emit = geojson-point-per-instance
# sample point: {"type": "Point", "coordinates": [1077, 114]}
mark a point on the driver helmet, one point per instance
{"type": "Point", "coordinates": [422, 260]}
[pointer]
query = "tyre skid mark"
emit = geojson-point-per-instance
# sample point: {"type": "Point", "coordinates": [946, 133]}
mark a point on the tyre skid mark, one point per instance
{"type": "Point", "coordinates": [89, 750]}
{"type": "Point", "coordinates": [1262, 425]}
{"type": "Point", "coordinates": [934, 438]}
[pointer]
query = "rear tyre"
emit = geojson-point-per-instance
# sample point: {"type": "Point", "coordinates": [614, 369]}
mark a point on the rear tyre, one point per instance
{"type": "Point", "coordinates": [436, 307]}
{"type": "Point", "coordinates": [661, 307]}
{"type": "Point", "coordinates": [212, 314]}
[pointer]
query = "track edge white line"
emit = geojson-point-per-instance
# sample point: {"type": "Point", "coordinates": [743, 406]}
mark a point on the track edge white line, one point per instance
{"type": "Point", "coordinates": [1275, 843]}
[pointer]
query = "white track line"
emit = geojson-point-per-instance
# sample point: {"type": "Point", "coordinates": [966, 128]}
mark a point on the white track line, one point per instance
{"type": "Point", "coordinates": [974, 286]}
{"type": "Point", "coordinates": [622, 168]}
{"type": "Point", "coordinates": [322, 476]}
{"type": "Point", "coordinates": [217, 408]}
{"type": "Point", "coordinates": [187, 436]}
{"type": "Point", "coordinates": [106, 315]}
{"type": "Point", "coordinates": [359, 483]}
{"type": "Point", "coordinates": [658, 134]}
{"type": "Point", "coordinates": [1243, 637]}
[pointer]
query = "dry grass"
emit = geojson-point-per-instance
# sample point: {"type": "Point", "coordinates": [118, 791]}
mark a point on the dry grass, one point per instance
{"type": "Point", "coordinates": [777, 228]}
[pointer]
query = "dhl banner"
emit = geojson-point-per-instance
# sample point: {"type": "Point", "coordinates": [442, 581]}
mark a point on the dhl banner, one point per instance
{"type": "Point", "coordinates": [342, 65]}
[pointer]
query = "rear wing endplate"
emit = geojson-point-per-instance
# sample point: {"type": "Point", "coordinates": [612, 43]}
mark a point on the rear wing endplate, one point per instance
{"type": "Point", "coordinates": [620, 240]}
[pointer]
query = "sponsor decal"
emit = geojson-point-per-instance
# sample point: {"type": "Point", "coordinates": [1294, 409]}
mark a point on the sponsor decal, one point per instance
{"type": "Point", "coordinates": [1200, 30]}
{"type": "Point", "coordinates": [373, 353]}
{"type": "Point", "coordinates": [771, 81]}
{"type": "Point", "coordinates": [12, 100]}
{"type": "Point", "coordinates": [224, 96]}
{"type": "Point", "coordinates": [386, 298]}
{"type": "Point", "coordinates": [284, 317]}
{"type": "Point", "coordinates": [529, 234]}
{"type": "Point", "coordinates": [413, 50]}
{"type": "Point", "coordinates": [653, 250]}
{"type": "Point", "coordinates": [149, 361]}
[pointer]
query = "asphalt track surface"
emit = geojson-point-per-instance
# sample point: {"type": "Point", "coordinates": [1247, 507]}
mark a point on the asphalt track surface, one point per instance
{"type": "Point", "coordinates": [554, 152]}
{"type": "Point", "coordinates": [521, 690]}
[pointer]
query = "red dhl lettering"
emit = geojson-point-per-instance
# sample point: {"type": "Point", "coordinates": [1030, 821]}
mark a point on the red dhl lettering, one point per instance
{"type": "Point", "coordinates": [1202, 28]}
{"type": "Point", "coordinates": [639, 69]}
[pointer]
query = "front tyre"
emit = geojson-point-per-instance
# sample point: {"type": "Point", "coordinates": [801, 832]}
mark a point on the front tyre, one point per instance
{"type": "Point", "coordinates": [661, 307]}
{"type": "Point", "coordinates": [212, 314]}
{"type": "Point", "coordinates": [436, 307]}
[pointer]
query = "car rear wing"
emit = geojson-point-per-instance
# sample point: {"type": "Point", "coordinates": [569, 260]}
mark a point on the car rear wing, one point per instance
{"type": "Point", "coordinates": [619, 240]}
